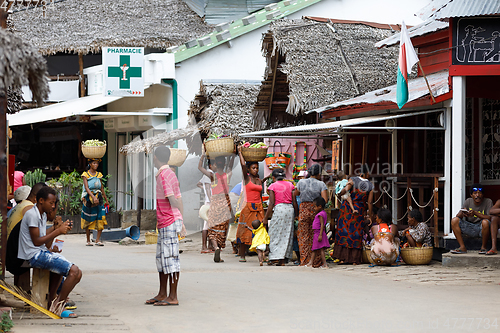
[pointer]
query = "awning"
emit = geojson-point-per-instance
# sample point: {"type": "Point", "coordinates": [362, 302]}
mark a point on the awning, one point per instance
{"type": "Point", "coordinates": [74, 107]}
{"type": "Point", "coordinates": [336, 127]}
{"type": "Point", "coordinates": [417, 88]}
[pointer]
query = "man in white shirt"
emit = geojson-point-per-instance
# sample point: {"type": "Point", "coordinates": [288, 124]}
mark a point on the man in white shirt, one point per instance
{"type": "Point", "coordinates": [35, 240]}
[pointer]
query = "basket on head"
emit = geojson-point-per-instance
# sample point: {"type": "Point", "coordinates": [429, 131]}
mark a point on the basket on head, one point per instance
{"type": "Point", "coordinates": [254, 154]}
{"type": "Point", "coordinates": [417, 255]}
{"type": "Point", "coordinates": [94, 151]}
{"type": "Point", "coordinates": [177, 157]}
{"type": "Point", "coordinates": [219, 147]}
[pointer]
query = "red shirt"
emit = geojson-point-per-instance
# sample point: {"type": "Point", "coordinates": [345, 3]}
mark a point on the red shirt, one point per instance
{"type": "Point", "coordinates": [167, 184]}
{"type": "Point", "coordinates": [219, 184]}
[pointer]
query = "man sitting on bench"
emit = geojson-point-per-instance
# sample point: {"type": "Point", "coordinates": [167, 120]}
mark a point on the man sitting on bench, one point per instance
{"type": "Point", "coordinates": [35, 240]}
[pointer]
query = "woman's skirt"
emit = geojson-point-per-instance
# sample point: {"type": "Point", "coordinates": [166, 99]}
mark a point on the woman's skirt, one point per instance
{"type": "Point", "coordinates": [93, 216]}
{"type": "Point", "coordinates": [219, 216]}
{"type": "Point", "coordinates": [281, 232]}
{"type": "Point", "coordinates": [305, 233]}
{"type": "Point", "coordinates": [249, 213]}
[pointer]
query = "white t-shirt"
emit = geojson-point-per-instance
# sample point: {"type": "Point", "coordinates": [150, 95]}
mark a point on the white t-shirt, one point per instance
{"type": "Point", "coordinates": [206, 180]}
{"type": "Point", "coordinates": [32, 218]}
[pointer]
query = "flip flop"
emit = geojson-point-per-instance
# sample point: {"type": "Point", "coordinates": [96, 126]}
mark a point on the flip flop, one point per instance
{"type": "Point", "coordinates": [164, 303]}
{"type": "Point", "coordinates": [90, 244]}
{"type": "Point", "coordinates": [458, 251]}
{"type": "Point", "coordinates": [243, 260]}
{"type": "Point", "coordinates": [491, 253]}
{"type": "Point", "coordinates": [68, 314]}
{"type": "Point", "coordinates": [152, 301]}
{"type": "Point", "coordinates": [207, 251]}
{"type": "Point", "coordinates": [99, 244]}
{"type": "Point", "coordinates": [70, 307]}
{"type": "Point", "coordinates": [482, 251]}
{"type": "Point", "coordinates": [217, 255]}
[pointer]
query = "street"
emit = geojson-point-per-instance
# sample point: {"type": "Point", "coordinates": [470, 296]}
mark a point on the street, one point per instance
{"type": "Point", "coordinates": [234, 296]}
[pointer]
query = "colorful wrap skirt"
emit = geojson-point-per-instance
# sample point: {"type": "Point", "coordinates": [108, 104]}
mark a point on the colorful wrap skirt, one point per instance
{"type": "Point", "coordinates": [250, 212]}
{"type": "Point", "coordinates": [305, 233]}
{"type": "Point", "coordinates": [93, 214]}
{"type": "Point", "coordinates": [281, 232]}
{"type": "Point", "coordinates": [219, 216]}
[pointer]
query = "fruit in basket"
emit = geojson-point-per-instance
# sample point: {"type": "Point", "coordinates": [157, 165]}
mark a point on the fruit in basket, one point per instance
{"type": "Point", "coordinates": [246, 145]}
{"type": "Point", "coordinates": [255, 145]}
{"type": "Point", "coordinates": [93, 143]}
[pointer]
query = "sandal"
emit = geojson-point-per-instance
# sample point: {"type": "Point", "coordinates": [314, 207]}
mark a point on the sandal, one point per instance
{"type": "Point", "coordinates": [99, 244]}
{"type": "Point", "coordinates": [491, 253]}
{"type": "Point", "coordinates": [152, 300]}
{"type": "Point", "coordinates": [458, 251]}
{"type": "Point", "coordinates": [243, 260]}
{"type": "Point", "coordinates": [217, 256]}
{"type": "Point", "coordinates": [482, 251]}
{"type": "Point", "coordinates": [90, 244]}
{"type": "Point", "coordinates": [68, 314]}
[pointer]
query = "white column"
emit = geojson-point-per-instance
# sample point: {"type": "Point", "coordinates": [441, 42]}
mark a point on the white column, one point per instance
{"type": "Point", "coordinates": [458, 144]}
{"type": "Point", "coordinates": [447, 184]}
{"type": "Point", "coordinates": [394, 154]}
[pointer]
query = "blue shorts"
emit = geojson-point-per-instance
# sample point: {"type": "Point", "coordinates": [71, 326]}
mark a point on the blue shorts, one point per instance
{"type": "Point", "coordinates": [471, 229]}
{"type": "Point", "coordinates": [51, 261]}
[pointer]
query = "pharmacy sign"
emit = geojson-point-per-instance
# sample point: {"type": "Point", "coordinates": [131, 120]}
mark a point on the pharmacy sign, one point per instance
{"type": "Point", "coordinates": [123, 71]}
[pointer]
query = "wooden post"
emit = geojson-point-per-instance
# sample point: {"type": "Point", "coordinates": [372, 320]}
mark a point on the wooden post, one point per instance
{"type": "Point", "coordinates": [272, 89]}
{"type": "Point", "coordinates": [40, 290]}
{"type": "Point", "coordinates": [351, 156]}
{"type": "Point", "coordinates": [3, 163]}
{"type": "Point", "coordinates": [82, 78]}
{"type": "Point", "coordinates": [365, 150]}
{"type": "Point", "coordinates": [435, 211]}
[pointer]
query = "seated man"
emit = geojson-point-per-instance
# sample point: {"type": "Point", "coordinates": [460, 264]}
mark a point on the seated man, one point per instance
{"type": "Point", "coordinates": [473, 219]}
{"type": "Point", "coordinates": [35, 240]}
{"type": "Point", "coordinates": [495, 217]}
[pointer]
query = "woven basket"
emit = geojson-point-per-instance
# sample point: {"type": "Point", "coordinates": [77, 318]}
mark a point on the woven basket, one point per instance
{"type": "Point", "coordinates": [94, 151]}
{"type": "Point", "coordinates": [177, 157]}
{"type": "Point", "coordinates": [219, 147]}
{"type": "Point", "coordinates": [366, 258]}
{"type": "Point", "coordinates": [151, 237]}
{"type": "Point", "coordinates": [254, 154]}
{"type": "Point", "coordinates": [417, 255]}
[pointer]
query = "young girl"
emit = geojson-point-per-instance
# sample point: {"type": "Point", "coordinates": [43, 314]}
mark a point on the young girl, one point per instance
{"type": "Point", "coordinates": [340, 186]}
{"type": "Point", "coordinates": [320, 240]}
{"type": "Point", "coordinates": [385, 248]}
{"type": "Point", "coordinates": [260, 240]}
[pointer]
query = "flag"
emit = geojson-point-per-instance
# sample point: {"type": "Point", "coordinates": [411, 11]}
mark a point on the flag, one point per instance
{"type": "Point", "coordinates": [407, 58]}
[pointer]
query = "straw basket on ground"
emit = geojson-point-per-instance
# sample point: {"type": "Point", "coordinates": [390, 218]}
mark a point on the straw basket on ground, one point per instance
{"type": "Point", "coordinates": [366, 258]}
{"type": "Point", "coordinates": [94, 151]}
{"type": "Point", "coordinates": [254, 154]}
{"type": "Point", "coordinates": [219, 147]}
{"type": "Point", "coordinates": [151, 237]}
{"type": "Point", "coordinates": [417, 255]}
{"type": "Point", "coordinates": [177, 157]}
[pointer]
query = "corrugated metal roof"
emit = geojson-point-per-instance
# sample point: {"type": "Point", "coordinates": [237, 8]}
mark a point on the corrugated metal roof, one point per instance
{"type": "Point", "coordinates": [418, 30]}
{"type": "Point", "coordinates": [198, 6]}
{"type": "Point", "coordinates": [332, 126]}
{"type": "Point", "coordinates": [417, 88]}
{"type": "Point", "coordinates": [445, 9]}
{"type": "Point", "coordinates": [254, 5]}
{"type": "Point", "coordinates": [220, 11]}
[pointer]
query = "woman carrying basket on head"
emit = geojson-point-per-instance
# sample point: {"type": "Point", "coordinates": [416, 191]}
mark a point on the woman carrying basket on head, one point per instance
{"type": "Point", "coordinates": [93, 197]}
{"type": "Point", "coordinates": [219, 213]}
{"type": "Point", "coordinates": [252, 209]}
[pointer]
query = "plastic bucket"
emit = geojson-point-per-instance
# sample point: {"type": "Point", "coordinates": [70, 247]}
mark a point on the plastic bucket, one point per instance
{"type": "Point", "coordinates": [133, 232]}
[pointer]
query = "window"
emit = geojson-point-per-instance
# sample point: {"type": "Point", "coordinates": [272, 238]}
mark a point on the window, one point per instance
{"type": "Point", "coordinates": [490, 141]}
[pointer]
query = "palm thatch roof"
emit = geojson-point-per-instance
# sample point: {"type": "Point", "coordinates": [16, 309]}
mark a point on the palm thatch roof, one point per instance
{"type": "Point", "coordinates": [77, 26]}
{"type": "Point", "coordinates": [20, 65]}
{"type": "Point", "coordinates": [224, 108]}
{"type": "Point", "coordinates": [313, 62]}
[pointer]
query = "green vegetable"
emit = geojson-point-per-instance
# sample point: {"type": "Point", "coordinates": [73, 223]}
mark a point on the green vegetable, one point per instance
{"type": "Point", "coordinates": [37, 176]}
{"type": "Point", "coordinates": [94, 143]}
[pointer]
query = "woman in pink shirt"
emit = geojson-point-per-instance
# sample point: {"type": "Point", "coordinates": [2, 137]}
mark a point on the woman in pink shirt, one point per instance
{"type": "Point", "coordinates": [282, 207]}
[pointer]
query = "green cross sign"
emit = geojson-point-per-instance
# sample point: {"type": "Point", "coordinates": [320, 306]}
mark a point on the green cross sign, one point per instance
{"type": "Point", "coordinates": [124, 72]}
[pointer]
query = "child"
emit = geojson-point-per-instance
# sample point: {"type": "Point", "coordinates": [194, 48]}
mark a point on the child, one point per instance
{"type": "Point", "coordinates": [260, 240]}
{"type": "Point", "coordinates": [417, 234]}
{"type": "Point", "coordinates": [340, 186]}
{"type": "Point", "coordinates": [385, 248]}
{"type": "Point", "coordinates": [320, 240]}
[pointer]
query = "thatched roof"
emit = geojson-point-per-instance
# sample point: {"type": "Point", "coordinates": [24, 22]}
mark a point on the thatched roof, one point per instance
{"type": "Point", "coordinates": [162, 139]}
{"type": "Point", "coordinates": [86, 26]}
{"type": "Point", "coordinates": [224, 108]}
{"type": "Point", "coordinates": [316, 62]}
{"type": "Point", "coordinates": [20, 65]}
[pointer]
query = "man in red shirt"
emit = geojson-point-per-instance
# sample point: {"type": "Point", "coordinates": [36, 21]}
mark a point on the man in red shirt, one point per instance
{"type": "Point", "coordinates": [169, 211]}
